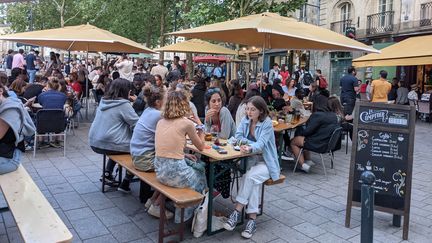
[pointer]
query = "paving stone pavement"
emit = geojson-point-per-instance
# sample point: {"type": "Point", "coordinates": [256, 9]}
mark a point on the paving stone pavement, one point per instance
{"type": "Point", "coordinates": [306, 208]}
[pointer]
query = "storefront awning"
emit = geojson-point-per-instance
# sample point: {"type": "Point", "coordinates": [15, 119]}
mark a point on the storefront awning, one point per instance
{"type": "Point", "coordinates": [410, 52]}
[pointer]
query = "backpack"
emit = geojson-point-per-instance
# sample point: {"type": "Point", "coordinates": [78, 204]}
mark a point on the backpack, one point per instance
{"type": "Point", "coordinates": [307, 79]}
{"type": "Point", "coordinates": [322, 82]}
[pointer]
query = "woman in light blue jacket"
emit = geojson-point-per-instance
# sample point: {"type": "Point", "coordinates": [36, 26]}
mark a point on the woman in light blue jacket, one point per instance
{"type": "Point", "coordinates": [257, 129]}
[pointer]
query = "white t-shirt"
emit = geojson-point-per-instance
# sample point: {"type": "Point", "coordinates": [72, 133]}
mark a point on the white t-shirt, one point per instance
{"type": "Point", "coordinates": [125, 69]}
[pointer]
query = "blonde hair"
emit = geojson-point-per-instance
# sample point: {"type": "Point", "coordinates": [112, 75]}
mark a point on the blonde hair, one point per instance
{"type": "Point", "coordinates": [176, 105]}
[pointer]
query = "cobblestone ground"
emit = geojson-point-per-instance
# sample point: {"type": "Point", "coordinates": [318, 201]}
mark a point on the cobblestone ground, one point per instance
{"type": "Point", "coordinates": [306, 208]}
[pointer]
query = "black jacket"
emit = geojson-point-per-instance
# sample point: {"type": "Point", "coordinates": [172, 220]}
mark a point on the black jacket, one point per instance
{"type": "Point", "coordinates": [318, 131]}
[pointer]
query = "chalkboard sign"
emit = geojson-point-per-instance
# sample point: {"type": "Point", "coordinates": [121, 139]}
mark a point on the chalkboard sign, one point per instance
{"type": "Point", "coordinates": [383, 140]}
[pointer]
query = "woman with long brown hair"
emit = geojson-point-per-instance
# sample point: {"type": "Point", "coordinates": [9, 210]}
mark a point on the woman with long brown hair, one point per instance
{"type": "Point", "coordinates": [173, 167]}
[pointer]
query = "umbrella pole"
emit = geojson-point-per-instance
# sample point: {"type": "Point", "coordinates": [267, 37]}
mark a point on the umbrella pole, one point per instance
{"type": "Point", "coordinates": [263, 56]}
{"type": "Point", "coordinates": [87, 84]}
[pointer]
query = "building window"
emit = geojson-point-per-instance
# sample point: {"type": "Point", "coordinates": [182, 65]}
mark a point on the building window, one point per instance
{"type": "Point", "coordinates": [385, 6]}
{"type": "Point", "coordinates": [345, 11]}
{"type": "Point", "coordinates": [426, 14]}
{"type": "Point", "coordinates": [303, 13]}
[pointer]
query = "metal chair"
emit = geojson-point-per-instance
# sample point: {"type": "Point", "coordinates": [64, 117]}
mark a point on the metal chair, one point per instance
{"type": "Point", "coordinates": [331, 147]}
{"type": "Point", "coordinates": [50, 122]}
{"type": "Point", "coordinates": [424, 110]}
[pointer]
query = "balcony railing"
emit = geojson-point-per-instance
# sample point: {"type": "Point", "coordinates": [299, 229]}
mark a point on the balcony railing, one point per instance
{"type": "Point", "coordinates": [380, 23]}
{"type": "Point", "coordinates": [340, 26]}
{"type": "Point", "coordinates": [426, 14]}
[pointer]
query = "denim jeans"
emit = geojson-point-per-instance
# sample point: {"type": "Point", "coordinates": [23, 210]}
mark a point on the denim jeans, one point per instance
{"type": "Point", "coordinates": [9, 165]}
{"type": "Point", "coordinates": [32, 75]}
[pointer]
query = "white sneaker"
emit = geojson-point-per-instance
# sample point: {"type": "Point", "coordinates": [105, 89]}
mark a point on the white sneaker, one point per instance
{"type": "Point", "coordinates": [309, 162]}
{"type": "Point", "coordinates": [155, 212]}
{"type": "Point", "coordinates": [287, 156]}
{"type": "Point", "coordinates": [305, 167]}
{"type": "Point", "coordinates": [148, 204]}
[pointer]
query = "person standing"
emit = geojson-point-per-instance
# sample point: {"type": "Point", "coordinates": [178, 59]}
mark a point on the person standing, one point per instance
{"type": "Point", "coordinates": [402, 94]}
{"type": "Point", "coordinates": [217, 71]}
{"type": "Point", "coordinates": [274, 73]}
{"type": "Point", "coordinates": [9, 60]}
{"type": "Point", "coordinates": [284, 74]}
{"type": "Point", "coordinates": [18, 60]}
{"type": "Point", "coordinates": [31, 67]}
{"type": "Point", "coordinates": [380, 88]}
{"type": "Point", "coordinates": [392, 95]}
{"type": "Point", "coordinates": [349, 88]}
{"type": "Point", "coordinates": [125, 66]}
{"type": "Point", "coordinates": [159, 69]}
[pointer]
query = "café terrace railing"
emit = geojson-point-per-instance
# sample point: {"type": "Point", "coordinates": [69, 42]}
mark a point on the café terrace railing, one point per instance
{"type": "Point", "coordinates": [426, 14]}
{"type": "Point", "coordinates": [380, 23]}
{"type": "Point", "coordinates": [340, 26]}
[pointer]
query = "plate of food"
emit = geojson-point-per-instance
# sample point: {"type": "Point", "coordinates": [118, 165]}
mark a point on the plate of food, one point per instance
{"type": "Point", "coordinates": [275, 123]}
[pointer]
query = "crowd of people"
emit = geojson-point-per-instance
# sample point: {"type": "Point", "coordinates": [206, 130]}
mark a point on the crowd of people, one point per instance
{"type": "Point", "coordinates": [150, 114]}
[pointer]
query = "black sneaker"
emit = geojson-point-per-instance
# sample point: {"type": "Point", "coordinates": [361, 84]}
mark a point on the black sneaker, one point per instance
{"type": "Point", "coordinates": [110, 180]}
{"type": "Point", "coordinates": [231, 223]}
{"type": "Point", "coordinates": [249, 230]}
{"type": "Point", "coordinates": [124, 186]}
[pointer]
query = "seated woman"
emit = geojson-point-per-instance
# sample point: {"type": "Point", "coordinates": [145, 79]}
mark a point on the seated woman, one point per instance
{"type": "Point", "coordinates": [290, 88]}
{"type": "Point", "coordinates": [18, 86]}
{"type": "Point", "coordinates": [111, 130]}
{"type": "Point", "coordinates": [142, 145]}
{"type": "Point", "coordinates": [316, 133]}
{"type": "Point", "coordinates": [217, 117]}
{"type": "Point", "coordinates": [173, 167]}
{"type": "Point", "coordinates": [313, 92]}
{"type": "Point", "coordinates": [15, 123]}
{"type": "Point", "coordinates": [257, 129]}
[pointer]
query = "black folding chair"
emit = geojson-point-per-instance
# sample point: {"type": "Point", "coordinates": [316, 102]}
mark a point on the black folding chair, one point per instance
{"type": "Point", "coordinates": [331, 147]}
{"type": "Point", "coordinates": [50, 122]}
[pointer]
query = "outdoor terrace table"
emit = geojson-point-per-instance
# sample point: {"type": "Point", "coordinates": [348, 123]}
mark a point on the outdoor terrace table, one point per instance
{"type": "Point", "coordinates": [283, 127]}
{"type": "Point", "coordinates": [212, 157]}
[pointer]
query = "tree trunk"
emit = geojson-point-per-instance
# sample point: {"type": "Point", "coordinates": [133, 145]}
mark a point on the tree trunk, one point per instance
{"type": "Point", "coordinates": [189, 60]}
{"type": "Point", "coordinates": [162, 28]}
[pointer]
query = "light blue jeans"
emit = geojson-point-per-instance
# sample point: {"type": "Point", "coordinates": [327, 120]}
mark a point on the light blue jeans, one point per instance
{"type": "Point", "coordinates": [32, 75]}
{"type": "Point", "coordinates": [9, 165]}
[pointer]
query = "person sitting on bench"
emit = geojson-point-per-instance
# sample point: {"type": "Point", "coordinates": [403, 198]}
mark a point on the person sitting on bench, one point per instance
{"type": "Point", "coordinates": [111, 130]}
{"type": "Point", "coordinates": [15, 123]}
{"type": "Point", "coordinates": [257, 129]}
{"type": "Point", "coordinates": [173, 167]}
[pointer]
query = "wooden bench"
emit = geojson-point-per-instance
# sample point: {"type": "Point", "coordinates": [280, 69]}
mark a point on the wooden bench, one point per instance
{"type": "Point", "coordinates": [37, 221]}
{"type": "Point", "coordinates": [269, 182]}
{"type": "Point", "coordinates": [182, 197]}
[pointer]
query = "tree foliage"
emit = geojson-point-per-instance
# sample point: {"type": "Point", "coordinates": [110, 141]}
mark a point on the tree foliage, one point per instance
{"type": "Point", "coordinates": [144, 21]}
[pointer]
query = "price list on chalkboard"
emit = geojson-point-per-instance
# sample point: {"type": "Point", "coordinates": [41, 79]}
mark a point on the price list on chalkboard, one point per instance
{"type": "Point", "coordinates": [383, 144]}
{"type": "Point", "coordinates": [385, 154]}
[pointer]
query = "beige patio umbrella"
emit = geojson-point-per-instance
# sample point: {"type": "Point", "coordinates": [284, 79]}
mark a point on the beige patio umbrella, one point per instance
{"type": "Point", "coordinates": [410, 52]}
{"type": "Point", "coordinates": [79, 38]}
{"type": "Point", "coordinates": [270, 30]}
{"type": "Point", "coordinates": [197, 46]}
{"type": "Point", "coordinates": [85, 37]}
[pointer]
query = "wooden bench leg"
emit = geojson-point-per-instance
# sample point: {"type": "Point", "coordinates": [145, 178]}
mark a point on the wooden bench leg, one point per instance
{"type": "Point", "coordinates": [182, 224]}
{"type": "Point", "coordinates": [162, 218]}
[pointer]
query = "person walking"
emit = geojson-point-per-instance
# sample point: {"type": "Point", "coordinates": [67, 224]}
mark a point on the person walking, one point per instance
{"type": "Point", "coordinates": [380, 88]}
{"type": "Point", "coordinates": [9, 60]}
{"type": "Point", "coordinates": [31, 65]}
{"type": "Point", "coordinates": [349, 88]}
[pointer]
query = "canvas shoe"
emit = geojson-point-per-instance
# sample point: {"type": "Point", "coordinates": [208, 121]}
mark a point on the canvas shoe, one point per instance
{"type": "Point", "coordinates": [309, 162]}
{"type": "Point", "coordinates": [155, 212]}
{"type": "Point", "coordinates": [305, 167]}
{"type": "Point", "coordinates": [231, 223]}
{"type": "Point", "coordinates": [124, 186]}
{"type": "Point", "coordinates": [250, 229]}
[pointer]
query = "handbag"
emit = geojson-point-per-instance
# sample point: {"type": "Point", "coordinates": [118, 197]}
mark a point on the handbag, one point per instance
{"type": "Point", "coordinates": [199, 222]}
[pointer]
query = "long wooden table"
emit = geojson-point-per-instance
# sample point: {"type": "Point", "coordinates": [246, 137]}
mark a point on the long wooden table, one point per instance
{"type": "Point", "coordinates": [212, 157]}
